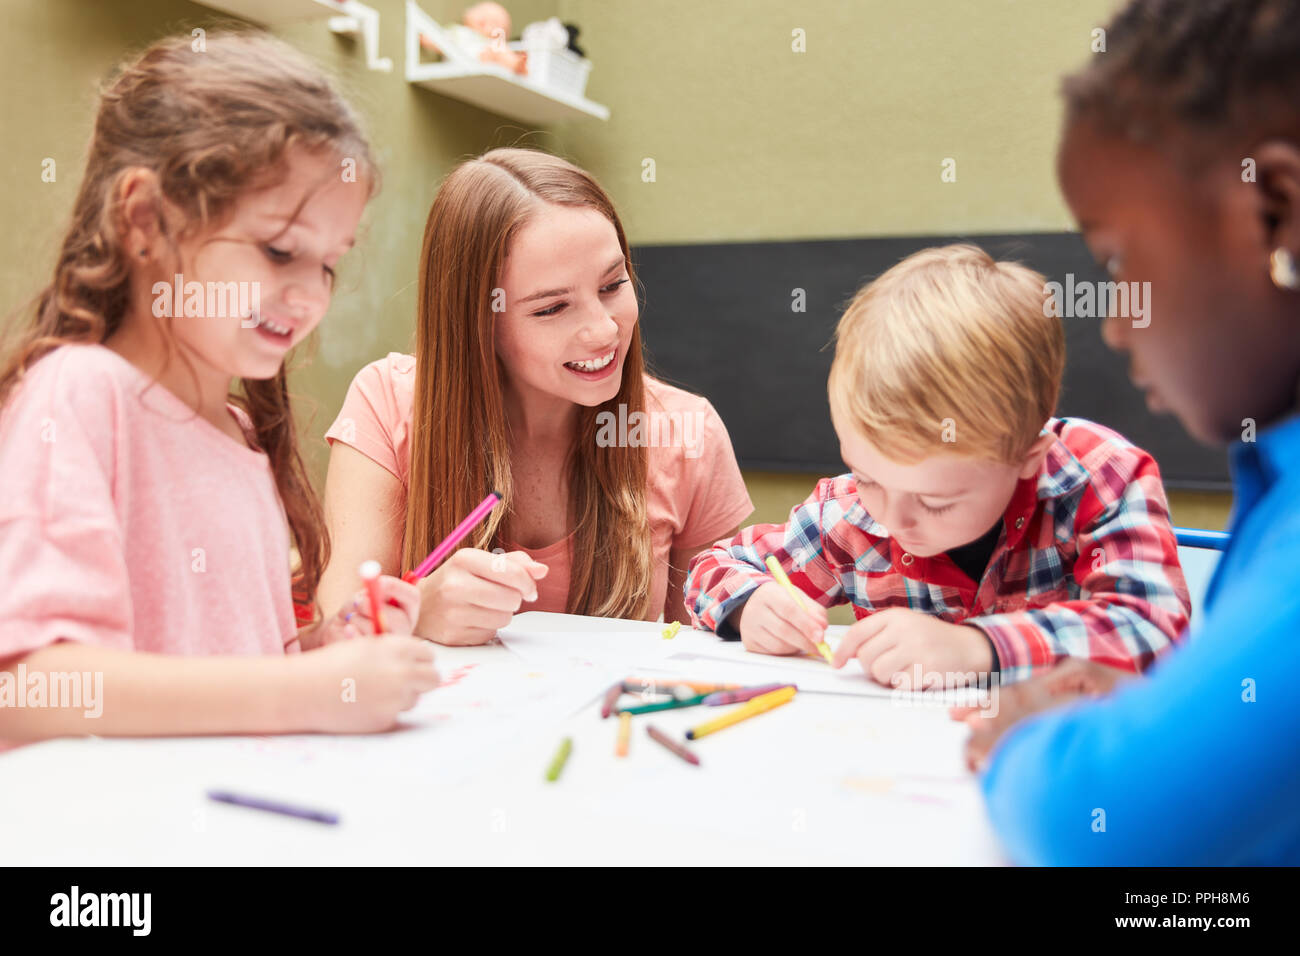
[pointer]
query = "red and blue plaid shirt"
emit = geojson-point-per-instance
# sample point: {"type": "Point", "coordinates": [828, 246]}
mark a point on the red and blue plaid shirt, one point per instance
{"type": "Point", "coordinates": [1086, 564]}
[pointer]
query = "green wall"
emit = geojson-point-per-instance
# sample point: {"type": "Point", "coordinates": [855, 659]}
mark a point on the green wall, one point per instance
{"type": "Point", "coordinates": [750, 140]}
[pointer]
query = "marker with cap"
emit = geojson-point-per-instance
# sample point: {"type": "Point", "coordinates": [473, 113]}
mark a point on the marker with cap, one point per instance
{"type": "Point", "coordinates": [448, 543]}
{"type": "Point", "coordinates": [370, 576]}
{"type": "Point", "coordinates": [779, 573]}
{"type": "Point", "coordinates": [740, 696]}
{"type": "Point", "coordinates": [753, 708]}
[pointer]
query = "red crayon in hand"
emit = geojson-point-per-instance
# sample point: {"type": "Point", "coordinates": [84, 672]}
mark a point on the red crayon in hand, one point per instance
{"type": "Point", "coordinates": [370, 576]}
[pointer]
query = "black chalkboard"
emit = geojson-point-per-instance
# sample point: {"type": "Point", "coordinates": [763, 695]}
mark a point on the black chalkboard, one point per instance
{"type": "Point", "coordinates": [717, 320]}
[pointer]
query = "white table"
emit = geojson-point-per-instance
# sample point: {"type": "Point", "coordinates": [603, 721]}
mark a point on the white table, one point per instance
{"type": "Point", "coordinates": [826, 778]}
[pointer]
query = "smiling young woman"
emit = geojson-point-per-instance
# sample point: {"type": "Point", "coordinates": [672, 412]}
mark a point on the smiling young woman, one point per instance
{"type": "Point", "coordinates": [527, 340]}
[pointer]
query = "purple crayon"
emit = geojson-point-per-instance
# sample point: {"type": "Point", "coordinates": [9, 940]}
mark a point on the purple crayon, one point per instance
{"type": "Point", "coordinates": [739, 696]}
{"type": "Point", "coordinates": [273, 806]}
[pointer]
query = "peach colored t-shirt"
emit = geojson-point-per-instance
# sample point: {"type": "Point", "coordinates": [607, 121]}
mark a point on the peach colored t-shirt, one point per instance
{"type": "Point", "coordinates": [128, 521]}
{"type": "Point", "coordinates": [696, 493]}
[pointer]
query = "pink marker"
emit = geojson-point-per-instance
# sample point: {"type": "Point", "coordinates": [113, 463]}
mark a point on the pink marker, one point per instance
{"type": "Point", "coordinates": [448, 543]}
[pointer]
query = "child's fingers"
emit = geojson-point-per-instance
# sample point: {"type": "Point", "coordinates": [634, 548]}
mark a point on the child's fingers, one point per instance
{"type": "Point", "coordinates": [1076, 676]}
{"type": "Point", "coordinates": [891, 668]}
{"type": "Point", "coordinates": [964, 713]}
{"type": "Point", "coordinates": [858, 635]}
{"type": "Point", "coordinates": [977, 748]}
{"type": "Point", "coordinates": [417, 650]}
{"type": "Point", "coordinates": [765, 631]}
{"type": "Point", "coordinates": [405, 596]}
{"type": "Point", "coordinates": [801, 628]}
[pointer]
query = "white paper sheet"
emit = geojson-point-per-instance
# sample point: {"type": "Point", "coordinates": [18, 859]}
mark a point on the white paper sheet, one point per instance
{"type": "Point", "coordinates": [602, 648]}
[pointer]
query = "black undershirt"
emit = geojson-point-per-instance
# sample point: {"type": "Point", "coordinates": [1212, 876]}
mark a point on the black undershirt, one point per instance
{"type": "Point", "coordinates": [973, 558]}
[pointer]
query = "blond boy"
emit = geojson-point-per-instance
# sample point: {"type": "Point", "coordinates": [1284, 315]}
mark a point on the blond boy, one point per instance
{"type": "Point", "coordinates": [975, 534]}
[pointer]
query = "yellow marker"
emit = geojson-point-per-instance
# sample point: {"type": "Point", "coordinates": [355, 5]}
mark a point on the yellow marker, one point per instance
{"type": "Point", "coordinates": [779, 573]}
{"type": "Point", "coordinates": [753, 708]}
{"type": "Point", "coordinates": [624, 733]}
{"type": "Point", "coordinates": [671, 630]}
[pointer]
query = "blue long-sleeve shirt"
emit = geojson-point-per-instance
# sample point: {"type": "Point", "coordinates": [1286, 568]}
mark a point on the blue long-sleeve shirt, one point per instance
{"type": "Point", "coordinates": [1199, 763]}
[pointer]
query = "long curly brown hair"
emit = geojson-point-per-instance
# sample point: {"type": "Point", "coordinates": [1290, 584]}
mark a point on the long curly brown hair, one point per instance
{"type": "Point", "coordinates": [212, 119]}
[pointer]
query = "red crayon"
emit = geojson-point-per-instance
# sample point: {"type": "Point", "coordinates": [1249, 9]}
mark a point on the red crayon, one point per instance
{"type": "Point", "coordinates": [370, 575]}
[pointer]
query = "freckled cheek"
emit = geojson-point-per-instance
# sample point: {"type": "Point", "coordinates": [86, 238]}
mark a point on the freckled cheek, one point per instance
{"type": "Point", "coordinates": [626, 314]}
{"type": "Point", "coordinates": [540, 351]}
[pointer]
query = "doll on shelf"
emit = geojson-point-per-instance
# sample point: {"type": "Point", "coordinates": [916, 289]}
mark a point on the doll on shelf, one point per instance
{"type": "Point", "coordinates": [482, 35]}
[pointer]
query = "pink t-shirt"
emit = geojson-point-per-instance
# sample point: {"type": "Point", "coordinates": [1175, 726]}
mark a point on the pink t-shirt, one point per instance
{"type": "Point", "coordinates": [128, 521]}
{"type": "Point", "coordinates": [696, 494]}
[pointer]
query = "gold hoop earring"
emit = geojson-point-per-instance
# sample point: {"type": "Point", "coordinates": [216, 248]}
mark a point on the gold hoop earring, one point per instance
{"type": "Point", "coordinates": [1282, 270]}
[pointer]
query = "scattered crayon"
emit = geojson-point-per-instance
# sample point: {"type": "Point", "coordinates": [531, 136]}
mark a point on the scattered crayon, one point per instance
{"type": "Point", "coordinates": [624, 734]}
{"type": "Point", "coordinates": [673, 704]}
{"type": "Point", "coordinates": [611, 698]}
{"type": "Point", "coordinates": [660, 737]}
{"type": "Point", "coordinates": [752, 708]}
{"type": "Point", "coordinates": [559, 760]}
{"type": "Point", "coordinates": [742, 695]}
{"type": "Point", "coordinates": [273, 806]}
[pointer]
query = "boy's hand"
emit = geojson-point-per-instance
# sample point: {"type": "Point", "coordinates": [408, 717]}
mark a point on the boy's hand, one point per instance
{"type": "Point", "coordinates": [772, 622]}
{"type": "Point", "coordinates": [908, 650]}
{"type": "Point", "coordinates": [362, 686]}
{"type": "Point", "coordinates": [399, 605]}
{"type": "Point", "coordinates": [1071, 680]}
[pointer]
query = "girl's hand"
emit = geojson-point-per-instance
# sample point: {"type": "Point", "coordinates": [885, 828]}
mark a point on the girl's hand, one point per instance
{"type": "Point", "coordinates": [908, 650]}
{"type": "Point", "coordinates": [1068, 681]}
{"type": "Point", "coordinates": [772, 622]}
{"type": "Point", "coordinates": [360, 687]}
{"type": "Point", "coordinates": [399, 605]}
{"type": "Point", "coordinates": [474, 593]}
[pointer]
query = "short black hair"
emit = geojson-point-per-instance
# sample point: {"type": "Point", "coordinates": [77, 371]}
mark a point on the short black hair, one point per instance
{"type": "Point", "coordinates": [1199, 65]}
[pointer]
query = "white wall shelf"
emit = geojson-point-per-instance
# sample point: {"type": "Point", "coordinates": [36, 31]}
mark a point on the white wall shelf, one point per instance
{"type": "Point", "coordinates": [346, 17]}
{"type": "Point", "coordinates": [271, 12]}
{"type": "Point", "coordinates": [487, 85]}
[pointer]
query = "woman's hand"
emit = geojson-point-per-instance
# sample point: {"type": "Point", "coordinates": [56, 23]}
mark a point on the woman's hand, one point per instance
{"type": "Point", "coordinates": [474, 593]}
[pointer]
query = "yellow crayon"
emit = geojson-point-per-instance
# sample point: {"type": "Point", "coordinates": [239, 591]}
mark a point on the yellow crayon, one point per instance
{"type": "Point", "coordinates": [778, 572]}
{"type": "Point", "coordinates": [624, 733]}
{"type": "Point", "coordinates": [671, 630]}
{"type": "Point", "coordinates": [753, 708]}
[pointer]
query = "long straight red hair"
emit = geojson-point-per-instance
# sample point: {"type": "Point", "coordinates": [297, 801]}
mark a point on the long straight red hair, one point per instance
{"type": "Point", "coordinates": [460, 446]}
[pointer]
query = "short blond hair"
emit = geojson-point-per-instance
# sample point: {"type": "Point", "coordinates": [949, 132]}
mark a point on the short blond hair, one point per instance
{"type": "Point", "coordinates": [949, 350]}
